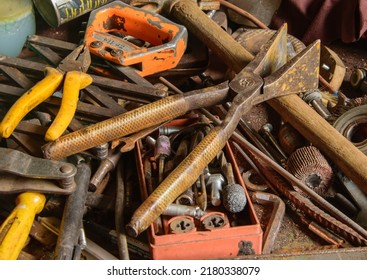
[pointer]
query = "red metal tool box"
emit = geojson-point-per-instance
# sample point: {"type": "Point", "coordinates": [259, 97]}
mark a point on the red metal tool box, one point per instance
{"type": "Point", "coordinates": [226, 242]}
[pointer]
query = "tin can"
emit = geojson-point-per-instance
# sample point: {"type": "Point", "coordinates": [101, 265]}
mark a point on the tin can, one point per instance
{"type": "Point", "coordinates": [58, 12]}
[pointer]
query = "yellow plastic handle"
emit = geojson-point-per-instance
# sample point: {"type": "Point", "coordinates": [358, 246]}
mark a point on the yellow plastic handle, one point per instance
{"type": "Point", "coordinates": [74, 82]}
{"type": "Point", "coordinates": [29, 100]}
{"type": "Point", "coordinates": [15, 229]}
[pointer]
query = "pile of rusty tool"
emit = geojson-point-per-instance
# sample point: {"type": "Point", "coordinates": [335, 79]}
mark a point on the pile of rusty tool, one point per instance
{"type": "Point", "coordinates": [140, 140]}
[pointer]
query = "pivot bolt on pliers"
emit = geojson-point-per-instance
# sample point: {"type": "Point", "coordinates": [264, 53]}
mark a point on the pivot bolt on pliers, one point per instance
{"type": "Point", "coordinates": [73, 67]}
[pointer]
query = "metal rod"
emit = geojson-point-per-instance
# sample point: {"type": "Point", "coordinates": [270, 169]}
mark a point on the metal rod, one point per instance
{"type": "Point", "coordinates": [71, 222]}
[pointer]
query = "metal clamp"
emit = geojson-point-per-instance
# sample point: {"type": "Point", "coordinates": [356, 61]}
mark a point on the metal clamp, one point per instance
{"type": "Point", "coordinates": [167, 40]}
{"type": "Point", "coordinates": [21, 172]}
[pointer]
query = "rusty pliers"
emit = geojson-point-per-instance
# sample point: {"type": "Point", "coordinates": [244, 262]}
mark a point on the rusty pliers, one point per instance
{"type": "Point", "coordinates": [73, 67]}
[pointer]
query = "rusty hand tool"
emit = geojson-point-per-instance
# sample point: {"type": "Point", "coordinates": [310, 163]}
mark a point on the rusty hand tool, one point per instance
{"type": "Point", "coordinates": [251, 88]}
{"type": "Point", "coordinates": [108, 164]}
{"type": "Point", "coordinates": [181, 224]}
{"type": "Point", "coordinates": [323, 233]}
{"type": "Point", "coordinates": [122, 245]}
{"type": "Point", "coordinates": [71, 222]}
{"type": "Point", "coordinates": [15, 229]}
{"type": "Point", "coordinates": [20, 172]}
{"type": "Point", "coordinates": [133, 121]}
{"type": "Point", "coordinates": [168, 40]}
{"type": "Point", "coordinates": [214, 220]}
{"type": "Point", "coordinates": [73, 67]}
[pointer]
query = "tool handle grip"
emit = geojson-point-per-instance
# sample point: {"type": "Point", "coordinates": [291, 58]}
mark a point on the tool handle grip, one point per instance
{"type": "Point", "coordinates": [29, 100]}
{"type": "Point", "coordinates": [179, 180]}
{"type": "Point", "coordinates": [74, 82]}
{"type": "Point", "coordinates": [221, 43]}
{"type": "Point", "coordinates": [116, 127]}
{"type": "Point", "coordinates": [15, 229]}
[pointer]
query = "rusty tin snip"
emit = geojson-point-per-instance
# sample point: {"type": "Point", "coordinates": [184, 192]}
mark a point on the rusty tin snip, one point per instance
{"type": "Point", "coordinates": [266, 77]}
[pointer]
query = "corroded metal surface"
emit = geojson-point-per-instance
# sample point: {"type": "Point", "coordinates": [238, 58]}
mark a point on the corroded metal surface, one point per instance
{"type": "Point", "coordinates": [21, 172]}
{"type": "Point", "coordinates": [133, 121]}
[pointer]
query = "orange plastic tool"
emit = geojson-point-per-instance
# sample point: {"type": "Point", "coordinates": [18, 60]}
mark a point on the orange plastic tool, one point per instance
{"type": "Point", "coordinates": [167, 40]}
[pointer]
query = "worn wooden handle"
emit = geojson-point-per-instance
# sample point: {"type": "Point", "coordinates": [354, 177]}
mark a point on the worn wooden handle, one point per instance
{"type": "Point", "coordinates": [213, 36]}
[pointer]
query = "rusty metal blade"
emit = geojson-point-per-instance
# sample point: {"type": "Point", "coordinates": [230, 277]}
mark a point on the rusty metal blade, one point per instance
{"type": "Point", "coordinates": [272, 55]}
{"type": "Point", "coordinates": [299, 74]}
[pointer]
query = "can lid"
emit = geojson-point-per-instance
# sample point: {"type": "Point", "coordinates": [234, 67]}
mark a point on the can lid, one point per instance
{"type": "Point", "coordinates": [13, 9]}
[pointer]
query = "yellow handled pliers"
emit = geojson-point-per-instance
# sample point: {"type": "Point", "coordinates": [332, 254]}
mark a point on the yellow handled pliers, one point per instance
{"type": "Point", "coordinates": [74, 68]}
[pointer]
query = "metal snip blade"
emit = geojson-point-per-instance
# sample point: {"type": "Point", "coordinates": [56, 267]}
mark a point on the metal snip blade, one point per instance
{"type": "Point", "coordinates": [300, 74]}
{"type": "Point", "coordinates": [272, 55]}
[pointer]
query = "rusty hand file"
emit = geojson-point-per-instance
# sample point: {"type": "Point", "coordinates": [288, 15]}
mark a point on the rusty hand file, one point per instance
{"type": "Point", "coordinates": [251, 86]}
{"type": "Point", "coordinates": [133, 121]}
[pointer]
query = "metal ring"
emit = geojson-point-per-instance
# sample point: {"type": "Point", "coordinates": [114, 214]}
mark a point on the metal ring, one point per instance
{"type": "Point", "coordinates": [349, 123]}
